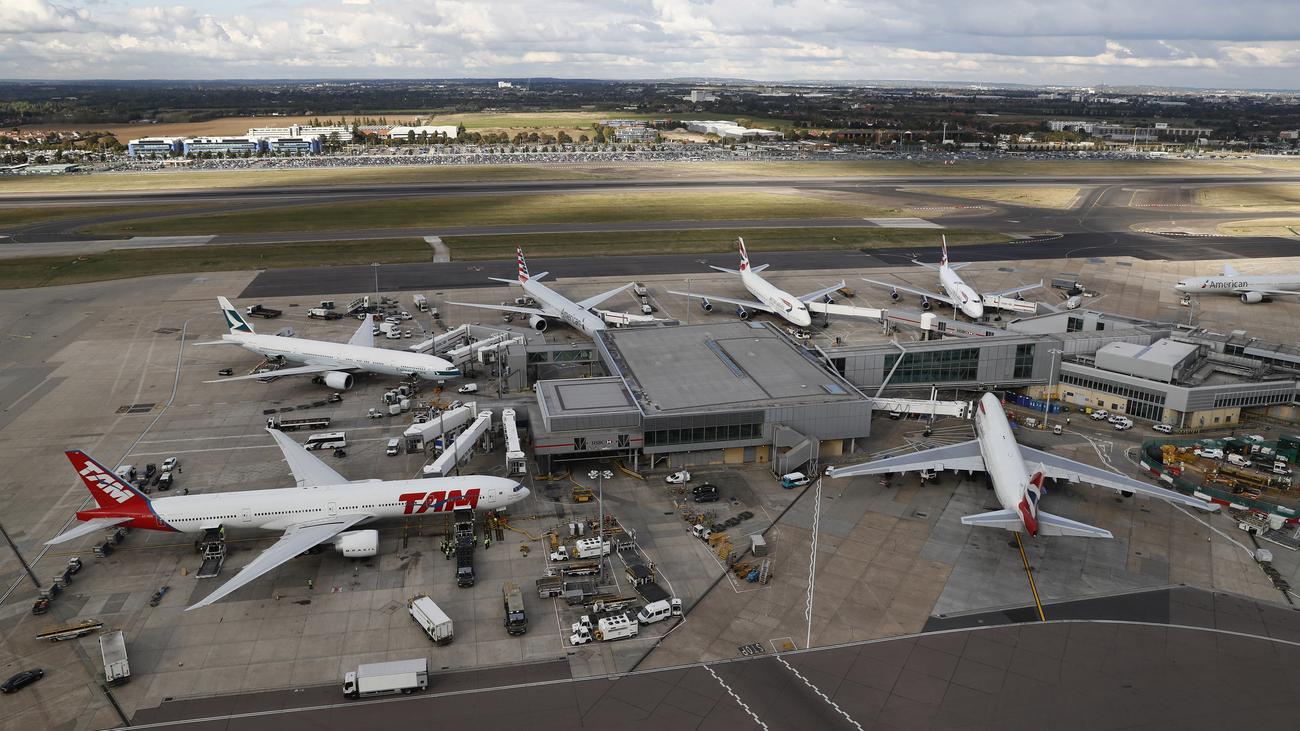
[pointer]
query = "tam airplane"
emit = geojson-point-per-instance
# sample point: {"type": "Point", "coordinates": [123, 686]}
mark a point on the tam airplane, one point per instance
{"type": "Point", "coordinates": [957, 293]}
{"type": "Point", "coordinates": [1018, 486]}
{"type": "Point", "coordinates": [324, 507]}
{"type": "Point", "coordinates": [552, 305]}
{"type": "Point", "coordinates": [770, 298]}
{"type": "Point", "coordinates": [1251, 289]}
{"type": "Point", "coordinates": [335, 363]}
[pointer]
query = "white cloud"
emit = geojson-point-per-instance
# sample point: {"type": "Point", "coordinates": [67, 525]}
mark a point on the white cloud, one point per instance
{"type": "Point", "coordinates": [1191, 42]}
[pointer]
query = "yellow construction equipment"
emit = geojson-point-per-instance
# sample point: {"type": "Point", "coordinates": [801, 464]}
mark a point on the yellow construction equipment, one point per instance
{"type": "Point", "coordinates": [583, 494]}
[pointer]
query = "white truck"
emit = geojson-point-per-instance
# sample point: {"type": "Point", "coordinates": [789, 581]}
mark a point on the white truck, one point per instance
{"type": "Point", "coordinates": [617, 627]}
{"type": "Point", "coordinates": [582, 548]}
{"type": "Point", "coordinates": [112, 647]}
{"type": "Point", "coordinates": [421, 302]}
{"type": "Point", "coordinates": [435, 622]}
{"type": "Point", "coordinates": [387, 678]}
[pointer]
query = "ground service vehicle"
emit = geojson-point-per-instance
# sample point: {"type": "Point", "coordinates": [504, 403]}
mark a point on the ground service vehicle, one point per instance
{"type": "Point", "coordinates": [1239, 460]}
{"type": "Point", "coordinates": [387, 678]}
{"type": "Point", "coordinates": [421, 302]}
{"type": "Point", "coordinates": [261, 311]}
{"type": "Point", "coordinates": [468, 388]}
{"type": "Point", "coordinates": [1214, 453]}
{"type": "Point", "coordinates": [1164, 428]}
{"type": "Point", "coordinates": [678, 478]}
{"type": "Point", "coordinates": [617, 627]}
{"type": "Point", "coordinates": [639, 289]}
{"type": "Point", "coordinates": [112, 648]}
{"type": "Point", "coordinates": [513, 601]}
{"type": "Point", "coordinates": [465, 566]}
{"type": "Point", "coordinates": [654, 612]}
{"type": "Point", "coordinates": [590, 548]}
{"type": "Point", "coordinates": [318, 422]}
{"type": "Point", "coordinates": [327, 440]}
{"type": "Point", "coordinates": [320, 313]}
{"type": "Point", "coordinates": [393, 445]}
{"type": "Point", "coordinates": [1099, 414]}
{"type": "Point", "coordinates": [794, 479]}
{"type": "Point", "coordinates": [22, 679]}
{"type": "Point", "coordinates": [435, 622]}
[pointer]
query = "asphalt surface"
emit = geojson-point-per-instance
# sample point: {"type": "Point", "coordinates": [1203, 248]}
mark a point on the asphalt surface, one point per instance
{"type": "Point", "coordinates": [434, 276]}
{"type": "Point", "coordinates": [1121, 664]}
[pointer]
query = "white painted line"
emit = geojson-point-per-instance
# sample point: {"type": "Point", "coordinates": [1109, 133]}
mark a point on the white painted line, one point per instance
{"type": "Point", "coordinates": [818, 691]}
{"type": "Point", "coordinates": [736, 698]}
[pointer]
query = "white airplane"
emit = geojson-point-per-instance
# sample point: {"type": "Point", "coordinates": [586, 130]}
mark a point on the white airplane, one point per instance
{"type": "Point", "coordinates": [995, 451]}
{"type": "Point", "coordinates": [1251, 289]}
{"type": "Point", "coordinates": [770, 298]}
{"type": "Point", "coordinates": [551, 304]}
{"type": "Point", "coordinates": [335, 363]}
{"type": "Point", "coordinates": [957, 293]}
{"type": "Point", "coordinates": [325, 506]}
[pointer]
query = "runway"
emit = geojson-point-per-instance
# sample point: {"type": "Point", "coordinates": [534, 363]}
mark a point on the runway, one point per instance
{"type": "Point", "coordinates": [458, 274]}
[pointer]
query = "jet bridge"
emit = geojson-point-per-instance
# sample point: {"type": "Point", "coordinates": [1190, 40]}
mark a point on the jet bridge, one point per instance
{"type": "Point", "coordinates": [924, 407]}
{"type": "Point", "coordinates": [515, 462]}
{"type": "Point", "coordinates": [418, 436]}
{"type": "Point", "coordinates": [491, 353]}
{"type": "Point", "coordinates": [464, 444]}
{"type": "Point", "coordinates": [439, 343]}
{"type": "Point", "coordinates": [826, 308]}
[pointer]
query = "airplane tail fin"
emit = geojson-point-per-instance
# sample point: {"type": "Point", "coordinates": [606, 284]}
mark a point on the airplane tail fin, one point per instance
{"type": "Point", "coordinates": [744, 255]}
{"type": "Point", "coordinates": [944, 245]}
{"type": "Point", "coordinates": [1055, 525]}
{"type": "Point", "coordinates": [109, 491]}
{"type": "Point", "coordinates": [234, 320]}
{"type": "Point", "coordinates": [523, 264]}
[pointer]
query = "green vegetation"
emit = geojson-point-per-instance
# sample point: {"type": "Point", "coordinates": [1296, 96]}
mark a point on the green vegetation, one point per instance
{"type": "Point", "coordinates": [628, 243]}
{"type": "Point", "coordinates": [1280, 198]}
{"type": "Point", "coordinates": [447, 211]}
{"type": "Point", "coordinates": [46, 271]}
{"type": "Point", "coordinates": [546, 120]}
{"type": "Point", "coordinates": [11, 218]}
{"type": "Point", "coordinates": [1034, 196]}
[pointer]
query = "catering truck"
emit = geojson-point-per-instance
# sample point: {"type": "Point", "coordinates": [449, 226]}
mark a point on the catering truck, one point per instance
{"type": "Point", "coordinates": [387, 678]}
{"type": "Point", "coordinates": [516, 619]}
{"type": "Point", "coordinates": [435, 622]}
{"type": "Point", "coordinates": [112, 647]}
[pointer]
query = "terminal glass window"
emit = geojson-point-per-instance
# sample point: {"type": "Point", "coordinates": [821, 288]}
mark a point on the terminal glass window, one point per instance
{"type": "Point", "coordinates": [1074, 324]}
{"type": "Point", "coordinates": [1024, 361]}
{"type": "Point", "coordinates": [933, 366]}
{"type": "Point", "coordinates": [701, 434]}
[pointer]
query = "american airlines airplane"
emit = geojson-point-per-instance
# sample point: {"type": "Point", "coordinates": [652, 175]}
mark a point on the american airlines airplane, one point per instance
{"type": "Point", "coordinates": [325, 506]}
{"type": "Point", "coordinates": [995, 451]}
{"type": "Point", "coordinates": [770, 298]}
{"type": "Point", "coordinates": [1251, 289]}
{"type": "Point", "coordinates": [550, 304]}
{"type": "Point", "coordinates": [957, 293]}
{"type": "Point", "coordinates": [335, 363]}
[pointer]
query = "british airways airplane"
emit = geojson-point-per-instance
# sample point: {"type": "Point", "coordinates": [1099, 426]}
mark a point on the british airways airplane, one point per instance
{"type": "Point", "coordinates": [335, 363]}
{"type": "Point", "coordinates": [957, 293]}
{"type": "Point", "coordinates": [325, 506]}
{"type": "Point", "coordinates": [995, 451]}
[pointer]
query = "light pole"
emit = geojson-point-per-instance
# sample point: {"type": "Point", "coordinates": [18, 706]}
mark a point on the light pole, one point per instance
{"type": "Point", "coordinates": [600, 476]}
{"type": "Point", "coordinates": [375, 266]}
{"type": "Point", "coordinates": [1047, 413]}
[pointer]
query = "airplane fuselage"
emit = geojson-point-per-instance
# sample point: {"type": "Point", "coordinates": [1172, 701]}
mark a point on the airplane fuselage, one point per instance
{"type": "Point", "coordinates": [782, 303]}
{"type": "Point", "coordinates": [968, 300]}
{"type": "Point", "coordinates": [1239, 285]}
{"type": "Point", "coordinates": [374, 360]}
{"type": "Point", "coordinates": [277, 509]}
{"type": "Point", "coordinates": [557, 305]}
{"type": "Point", "coordinates": [1004, 463]}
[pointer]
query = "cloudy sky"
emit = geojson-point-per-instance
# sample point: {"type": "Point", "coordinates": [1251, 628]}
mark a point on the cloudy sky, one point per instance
{"type": "Point", "coordinates": [1203, 43]}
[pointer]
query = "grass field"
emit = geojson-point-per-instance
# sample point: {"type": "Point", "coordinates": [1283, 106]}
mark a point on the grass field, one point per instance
{"type": "Point", "coordinates": [626, 243]}
{"type": "Point", "coordinates": [191, 180]}
{"type": "Point", "coordinates": [503, 210]}
{"type": "Point", "coordinates": [46, 271]}
{"type": "Point", "coordinates": [1282, 226]}
{"type": "Point", "coordinates": [1058, 197]}
{"type": "Point", "coordinates": [1280, 198]}
{"type": "Point", "coordinates": [14, 218]}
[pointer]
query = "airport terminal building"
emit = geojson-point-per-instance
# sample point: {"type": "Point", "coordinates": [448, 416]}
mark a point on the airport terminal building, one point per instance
{"type": "Point", "coordinates": [726, 392]}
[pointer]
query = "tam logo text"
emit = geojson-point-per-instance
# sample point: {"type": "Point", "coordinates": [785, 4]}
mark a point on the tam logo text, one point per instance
{"type": "Point", "coordinates": [104, 482]}
{"type": "Point", "coordinates": [438, 501]}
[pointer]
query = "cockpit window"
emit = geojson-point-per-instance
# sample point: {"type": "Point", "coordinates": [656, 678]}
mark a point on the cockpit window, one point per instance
{"type": "Point", "coordinates": [518, 487]}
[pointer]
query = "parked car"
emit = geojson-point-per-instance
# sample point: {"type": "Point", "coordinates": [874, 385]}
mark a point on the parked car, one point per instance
{"type": "Point", "coordinates": [705, 493]}
{"type": "Point", "coordinates": [1211, 453]}
{"type": "Point", "coordinates": [678, 478]}
{"type": "Point", "coordinates": [226, 372]}
{"type": "Point", "coordinates": [1099, 414]}
{"type": "Point", "coordinates": [20, 680]}
{"type": "Point", "coordinates": [170, 464]}
{"type": "Point", "coordinates": [1164, 428]}
{"type": "Point", "coordinates": [1123, 425]}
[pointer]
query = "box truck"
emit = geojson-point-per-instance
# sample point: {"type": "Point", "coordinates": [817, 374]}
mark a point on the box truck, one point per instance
{"type": "Point", "coordinates": [387, 678]}
{"type": "Point", "coordinates": [435, 622]}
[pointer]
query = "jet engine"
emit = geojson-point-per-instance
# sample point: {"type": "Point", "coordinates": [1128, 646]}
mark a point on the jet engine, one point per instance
{"type": "Point", "coordinates": [925, 304]}
{"type": "Point", "coordinates": [706, 305]}
{"type": "Point", "coordinates": [358, 543]}
{"type": "Point", "coordinates": [538, 322]}
{"type": "Point", "coordinates": [1252, 298]}
{"type": "Point", "coordinates": [338, 380]}
{"type": "Point", "coordinates": [742, 313]}
{"type": "Point", "coordinates": [894, 295]}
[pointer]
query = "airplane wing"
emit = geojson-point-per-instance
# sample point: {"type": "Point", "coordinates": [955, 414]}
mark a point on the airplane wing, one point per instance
{"type": "Point", "coordinates": [1060, 468]}
{"type": "Point", "coordinates": [1014, 290]}
{"type": "Point", "coordinates": [308, 471]}
{"type": "Point", "coordinates": [821, 292]}
{"type": "Point", "coordinates": [90, 526]}
{"type": "Point", "coordinates": [963, 456]}
{"type": "Point", "coordinates": [919, 292]}
{"type": "Point", "coordinates": [506, 308]}
{"type": "Point", "coordinates": [295, 371]}
{"type": "Point", "coordinates": [297, 538]}
{"type": "Point", "coordinates": [755, 270]}
{"type": "Point", "coordinates": [365, 334]}
{"type": "Point", "coordinates": [748, 304]}
{"type": "Point", "coordinates": [591, 302]}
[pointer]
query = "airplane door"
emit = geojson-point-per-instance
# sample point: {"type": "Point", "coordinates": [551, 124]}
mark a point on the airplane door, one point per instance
{"type": "Point", "coordinates": [334, 509]}
{"type": "Point", "coordinates": [246, 515]}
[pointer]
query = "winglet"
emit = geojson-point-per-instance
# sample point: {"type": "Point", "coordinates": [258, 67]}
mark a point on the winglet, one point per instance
{"type": "Point", "coordinates": [744, 255]}
{"type": "Point", "coordinates": [523, 264]}
{"type": "Point", "coordinates": [234, 320]}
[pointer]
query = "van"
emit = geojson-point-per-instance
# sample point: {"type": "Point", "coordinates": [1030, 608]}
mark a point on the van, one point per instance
{"type": "Point", "coordinates": [1030, 422]}
{"type": "Point", "coordinates": [1099, 414]}
{"type": "Point", "coordinates": [1214, 453]}
{"type": "Point", "coordinates": [654, 612]}
{"type": "Point", "coordinates": [393, 444]}
{"type": "Point", "coordinates": [794, 479]}
{"type": "Point", "coordinates": [1280, 469]}
{"type": "Point", "coordinates": [1056, 429]}
{"type": "Point", "coordinates": [468, 388]}
{"type": "Point", "coordinates": [1239, 460]}
{"type": "Point", "coordinates": [1164, 428]}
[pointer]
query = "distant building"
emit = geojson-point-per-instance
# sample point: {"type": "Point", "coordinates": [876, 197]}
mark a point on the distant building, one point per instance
{"type": "Point", "coordinates": [635, 134]}
{"type": "Point", "coordinates": [154, 146]}
{"type": "Point", "coordinates": [701, 95]}
{"type": "Point", "coordinates": [731, 131]}
{"type": "Point", "coordinates": [505, 85]}
{"type": "Point", "coordinates": [402, 132]}
{"type": "Point", "coordinates": [1127, 133]}
{"type": "Point", "coordinates": [344, 134]}
{"type": "Point", "coordinates": [51, 169]}
{"type": "Point", "coordinates": [222, 145]}
{"type": "Point", "coordinates": [294, 145]}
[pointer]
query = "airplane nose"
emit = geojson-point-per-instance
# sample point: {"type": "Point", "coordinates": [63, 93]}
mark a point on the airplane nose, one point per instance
{"type": "Point", "coordinates": [803, 319]}
{"type": "Point", "coordinates": [976, 310]}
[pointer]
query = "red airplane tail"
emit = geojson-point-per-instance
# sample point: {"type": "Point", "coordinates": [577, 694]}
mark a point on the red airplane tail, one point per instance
{"type": "Point", "coordinates": [744, 255]}
{"type": "Point", "coordinates": [109, 491]}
